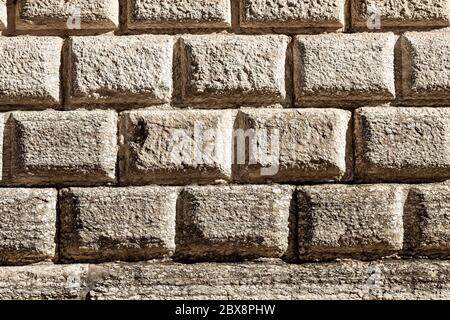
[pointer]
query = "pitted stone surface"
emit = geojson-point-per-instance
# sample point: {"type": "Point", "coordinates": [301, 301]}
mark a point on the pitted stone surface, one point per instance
{"type": "Point", "coordinates": [27, 225]}
{"type": "Point", "coordinates": [233, 222]}
{"type": "Point", "coordinates": [127, 70]}
{"type": "Point", "coordinates": [344, 68]}
{"type": "Point", "coordinates": [293, 145]}
{"type": "Point", "coordinates": [109, 224]}
{"type": "Point", "coordinates": [402, 144]}
{"type": "Point", "coordinates": [179, 14]}
{"type": "Point", "coordinates": [344, 221]}
{"type": "Point", "coordinates": [426, 67]}
{"type": "Point", "coordinates": [175, 147]}
{"type": "Point", "coordinates": [71, 147]}
{"type": "Point", "coordinates": [29, 71]}
{"type": "Point", "coordinates": [227, 70]}
{"type": "Point", "coordinates": [57, 14]}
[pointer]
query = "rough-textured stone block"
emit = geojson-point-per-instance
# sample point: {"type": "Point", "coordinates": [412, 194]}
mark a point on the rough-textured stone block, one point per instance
{"type": "Point", "coordinates": [67, 15]}
{"type": "Point", "coordinates": [379, 15]}
{"type": "Point", "coordinates": [143, 14]}
{"type": "Point", "coordinates": [27, 225]}
{"type": "Point", "coordinates": [29, 71]}
{"type": "Point", "coordinates": [402, 144]}
{"type": "Point", "coordinates": [45, 282]}
{"type": "Point", "coordinates": [70, 147]}
{"type": "Point", "coordinates": [293, 145]}
{"type": "Point", "coordinates": [109, 224]}
{"type": "Point", "coordinates": [427, 221]}
{"type": "Point", "coordinates": [293, 14]}
{"type": "Point", "coordinates": [342, 221]}
{"type": "Point", "coordinates": [176, 147]}
{"type": "Point", "coordinates": [220, 70]}
{"type": "Point", "coordinates": [128, 70]}
{"type": "Point", "coordinates": [344, 68]}
{"type": "Point", "coordinates": [425, 67]}
{"type": "Point", "coordinates": [387, 279]}
{"type": "Point", "coordinates": [233, 222]}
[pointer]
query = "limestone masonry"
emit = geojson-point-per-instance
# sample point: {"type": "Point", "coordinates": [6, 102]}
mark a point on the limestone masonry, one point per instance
{"type": "Point", "coordinates": [225, 149]}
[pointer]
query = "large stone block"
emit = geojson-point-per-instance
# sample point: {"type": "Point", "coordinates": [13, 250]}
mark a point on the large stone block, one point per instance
{"type": "Point", "coordinates": [27, 225]}
{"type": "Point", "coordinates": [176, 146]}
{"type": "Point", "coordinates": [119, 71]}
{"type": "Point", "coordinates": [382, 15]}
{"type": "Point", "coordinates": [70, 147]}
{"type": "Point", "coordinates": [344, 68]}
{"type": "Point", "coordinates": [166, 14]}
{"type": "Point", "coordinates": [402, 144]}
{"type": "Point", "coordinates": [345, 221]}
{"type": "Point", "coordinates": [427, 221]}
{"type": "Point", "coordinates": [233, 222]}
{"type": "Point", "coordinates": [426, 75]}
{"type": "Point", "coordinates": [109, 224]}
{"type": "Point", "coordinates": [223, 70]}
{"type": "Point", "coordinates": [293, 14]}
{"type": "Point", "coordinates": [45, 282]}
{"type": "Point", "coordinates": [57, 15]}
{"type": "Point", "coordinates": [386, 279]}
{"type": "Point", "coordinates": [293, 145]}
{"type": "Point", "coordinates": [29, 72]}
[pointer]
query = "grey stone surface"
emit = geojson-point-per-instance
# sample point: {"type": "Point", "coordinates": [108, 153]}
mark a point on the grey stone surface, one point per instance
{"type": "Point", "coordinates": [176, 146]}
{"type": "Point", "coordinates": [233, 222]}
{"type": "Point", "coordinates": [402, 144]}
{"type": "Point", "coordinates": [44, 282]}
{"type": "Point", "coordinates": [27, 225]}
{"type": "Point", "coordinates": [179, 14]}
{"type": "Point", "coordinates": [427, 221]}
{"type": "Point", "coordinates": [345, 221]}
{"type": "Point", "coordinates": [109, 224]}
{"type": "Point", "coordinates": [54, 14]}
{"type": "Point", "coordinates": [127, 70]}
{"type": "Point", "coordinates": [344, 68]}
{"type": "Point", "coordinates": [70, 148]}
{"type": "Point", "coordinates": [293, 145]}
{"type": "Point", "coordinates": [425, 67]}
{"type": "Point", "coordinates": [398, 14]}
{"type": "Point", "coordinates": [411, 279]}
{"type": "Point", "coordinates": [35, 81]}
{"type": "Point", "coordinates": [292, 14]}
{"type": "Point", "coordinates": [222, 70]}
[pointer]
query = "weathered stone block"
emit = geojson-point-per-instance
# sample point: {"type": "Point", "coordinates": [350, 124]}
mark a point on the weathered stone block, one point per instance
{"type": "Point", "coordinates": [70, 147]}
{"type": "Point", "coordinates": [379, 15]}
{"type": "Point", "coordinates": [343, 221]}
{"type": "Point", "coordinates": [233, 222]}
{"type": "Point", "coordinates": [67, 15]}
{"type": "Point", "coordinates": [29, 71]}
{"type": "Point", "coordinates": [293, 14]}
{"type": "Point", "coordinates": [117, 71]}
{"type": "Point", "coordinates": [426, 75]}
{"type": "Point", "coordinates": [402, 144]}
{"type": "Point", "coordinates": [27, 225]}
{"type": "Point", "coordinates": [222, 70]}
{"type": "Point", "coordinates": [344, 68]}
{"type": "Point", "coordinates": [385, 279]}
{"type": "Point", "coordinates": [109, 224]}
{"type": "Point", "coordinates": [427, 221]}
{"type": "Point", "coordinates": [45, 282]}
{"type": "Point", "coordinates": [176, 147]}
{"type": "Point", "coordinates": [158, 14]}
{"type": "Point", "coordinates": [293, 145]}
